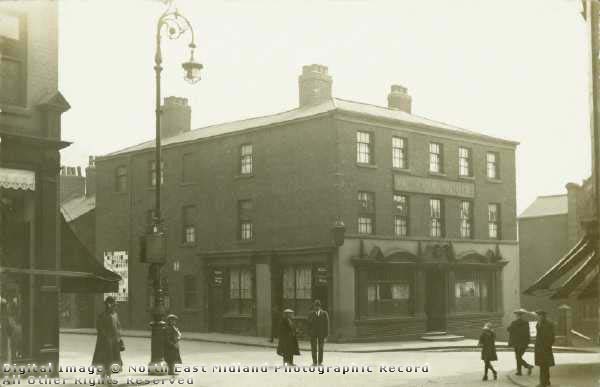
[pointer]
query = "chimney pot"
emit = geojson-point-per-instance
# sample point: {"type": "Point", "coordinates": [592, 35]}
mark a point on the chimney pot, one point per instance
{"type": "Point", "coordinates": [399, 99]}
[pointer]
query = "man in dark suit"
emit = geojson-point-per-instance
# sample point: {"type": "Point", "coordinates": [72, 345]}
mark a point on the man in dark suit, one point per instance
{"type": "Point", "coordinates": [518, 338]}
{"type": "Point", "coordinates": [544, 338]}
{"type": "Point", "coordinates": [318, 328]}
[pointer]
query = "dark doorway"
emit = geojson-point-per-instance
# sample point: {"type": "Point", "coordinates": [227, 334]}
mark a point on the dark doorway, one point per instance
{"type": "Point", "coordinates": [435, 303]}
{"type": "Point", "coordinates": [216, 300]}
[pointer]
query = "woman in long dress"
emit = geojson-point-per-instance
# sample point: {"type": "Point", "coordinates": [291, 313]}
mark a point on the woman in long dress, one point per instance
{"type": "Point", "coordinates": [287, 346]}
{"type": "Point", "coordinates": [487, 342]}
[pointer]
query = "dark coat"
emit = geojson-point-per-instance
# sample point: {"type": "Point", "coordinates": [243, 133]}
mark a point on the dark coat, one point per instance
{"type": "Point", "coordinates": [543, 343]}
{"type": "Point", "coordinates": [172, 337]}
{"type": "Point", "coordinates": [518, 334]}
{"type": "Point", "coordinates": [108, 341]}
{"type": "Point", "coordinates": [288, 342]}
{"type": "Point", "coordinates": [487, 342]}
{"type": "Point", "coordinates": [318, 326]}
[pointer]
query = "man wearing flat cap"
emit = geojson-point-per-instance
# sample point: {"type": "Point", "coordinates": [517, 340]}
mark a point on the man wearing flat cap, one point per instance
{"type": "Point", "coordinates": [544, 338]}
{"type": "Point", "coordinates": [518, 338]}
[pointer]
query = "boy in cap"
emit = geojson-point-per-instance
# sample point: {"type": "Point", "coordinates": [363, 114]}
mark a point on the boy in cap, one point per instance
{"type": "Point", "coordinates": [172, 337]}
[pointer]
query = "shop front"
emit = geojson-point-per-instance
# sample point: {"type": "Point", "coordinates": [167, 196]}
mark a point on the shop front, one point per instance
{"type": "Point", "coordinates": [247, 293]}
{"type": "Point", "coordinates": [403, 295]}
{"type": "Point", "coordinates": [39, 257]}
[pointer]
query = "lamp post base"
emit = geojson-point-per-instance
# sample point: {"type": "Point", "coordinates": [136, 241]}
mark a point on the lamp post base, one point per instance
{"type": "Point", "coordinates": [157, 365]}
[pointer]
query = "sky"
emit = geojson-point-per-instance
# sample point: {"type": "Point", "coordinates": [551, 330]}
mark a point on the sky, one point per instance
{"type": "Point", "coordinates": [515, 69]}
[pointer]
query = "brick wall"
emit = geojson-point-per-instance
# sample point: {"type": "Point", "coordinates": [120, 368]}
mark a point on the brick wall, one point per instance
{"type": "Point", "coordinates": [378, 178]}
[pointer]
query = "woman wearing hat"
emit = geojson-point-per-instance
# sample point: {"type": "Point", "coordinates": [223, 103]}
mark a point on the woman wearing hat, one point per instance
{"type": "Point", "coordinates": [288, 342]}
{"type": "Point", "coordinates": [172, 337]}
{"type": "Point", "coordinates": [487, 342]}
{"type": "Point", "coordinates": [108, 342]}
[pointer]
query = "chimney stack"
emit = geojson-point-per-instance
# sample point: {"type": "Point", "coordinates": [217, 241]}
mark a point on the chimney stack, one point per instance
{"type": "Point", "coordinates": [90, 177]}
{"type": "Point", "coordinates": [176, 117]}
{"type": "Point", "coordinates": [314, 85]}
{"type": "Point", "coordinates": [399, 99]}
{"type": "Point", "coordinates": [72, 183]}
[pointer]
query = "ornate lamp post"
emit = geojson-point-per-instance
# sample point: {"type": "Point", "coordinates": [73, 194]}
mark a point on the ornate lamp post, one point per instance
{"type": "Point", "coordinates": [175, 25]}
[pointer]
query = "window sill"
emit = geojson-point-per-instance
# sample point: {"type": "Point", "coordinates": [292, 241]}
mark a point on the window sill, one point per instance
{"type": "Point", "coordinates": [244, 176]}
{"type": "Point", "coordinates": [15, 110]}
{"type": "Point", "coordinates": [240, 316]}
{"type": "Point", "coordinates": [368, 166]}
{"type": "Point", "coordinates": [188, 183]}
{"type": "Point", "coordinates": [493, 181]}
{"type": "Point", "coordinates": [188, 245]}
{"type": "Point", "coordinates": [408, 171]}
{"type": "Point", "coordinates": [470, 178]}
{"type": "Point", "coordinates": [246, 242]}
{"type": "Point", "coordinates": [437, 174]}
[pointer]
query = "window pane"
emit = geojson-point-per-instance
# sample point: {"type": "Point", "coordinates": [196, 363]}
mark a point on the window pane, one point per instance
{"type": "Point", "coordinates": [365, 225]}
{"type": "Point", "coordinates": [234, 284]}
{"type": "Point", "coordinates": [303, 283]}
{"type": "Point", "coordinates": [246, 284]}
{"type": "Point", "coordinates": [363, 147]}
{"type": "Point", "coordinates": [398, 152]}
{"type": "Point", "coordinates": [289, 283]}
{"type": "Point", "coordinates": [246, 159]}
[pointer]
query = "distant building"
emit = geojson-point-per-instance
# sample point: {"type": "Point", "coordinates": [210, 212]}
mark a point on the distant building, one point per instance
{"type": "Point", "coordinates": [249, 207]}
{"type": "Point", "coordinates": [39, 254]}
{"type": "Point", "coordinates": [556, 247]}
{"type": "Point", "coordinates": [77, 205]}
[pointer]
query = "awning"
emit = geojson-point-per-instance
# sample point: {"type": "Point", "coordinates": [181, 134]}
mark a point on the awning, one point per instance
{"type": "Point", "coordinates": [17, 179]}
{"type": "Point", "coordinates": [85, 273]}
{"type": "Point", "coordinates": [580, 263]}
{"type": "Point", "coordinates": [580, 252]}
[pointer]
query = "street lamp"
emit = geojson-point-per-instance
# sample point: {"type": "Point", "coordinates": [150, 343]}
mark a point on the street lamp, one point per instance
{"type": "Point", "coordinates": [154, 252]}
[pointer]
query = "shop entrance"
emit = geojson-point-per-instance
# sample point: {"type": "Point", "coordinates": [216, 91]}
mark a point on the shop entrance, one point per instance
{"type": "Point", "coordinates": [435, 302]}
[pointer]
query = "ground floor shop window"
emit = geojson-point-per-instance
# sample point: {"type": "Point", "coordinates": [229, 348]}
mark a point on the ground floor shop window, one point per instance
{"type": "Point", "coordinates": [389, 292]}
{"type": "Point", "coordinates": [241, 300]}
{"type": "Point", "coordinates": [472, 291]}
{"type": "Point", "coordinates": [14, 317]}
{"type": "Point", "coordinates": [297, 289]}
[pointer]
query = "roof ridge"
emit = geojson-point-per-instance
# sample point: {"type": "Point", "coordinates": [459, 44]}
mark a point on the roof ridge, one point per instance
{"type": "Point", "coordinates": [551, 196]}
{"type": "Point", "coordinates": [410, 114]}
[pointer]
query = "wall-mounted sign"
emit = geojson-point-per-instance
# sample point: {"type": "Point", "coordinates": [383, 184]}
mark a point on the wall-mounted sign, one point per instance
{"type": "Point", "coordinates": [116, 261]}
{"type": "Point", "coordinates": [321, 275]}
{"type": "Point", "coordinates": [218, 276]}
{"type": "Point", "coordinates": [429, 186]}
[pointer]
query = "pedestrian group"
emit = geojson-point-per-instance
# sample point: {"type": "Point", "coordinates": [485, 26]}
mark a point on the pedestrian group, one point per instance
{"type": "Point", "coordinates": [109, 344]}
{"type": "Point", "coordinates": [519, 339]}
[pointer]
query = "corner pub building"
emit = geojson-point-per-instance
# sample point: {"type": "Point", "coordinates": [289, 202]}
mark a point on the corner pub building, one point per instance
{"type": "Point", "coordinates": [250, 208]}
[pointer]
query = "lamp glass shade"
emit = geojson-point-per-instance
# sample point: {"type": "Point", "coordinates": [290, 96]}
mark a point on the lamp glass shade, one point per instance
{"type": "Point", "coordinates": [192, 71]}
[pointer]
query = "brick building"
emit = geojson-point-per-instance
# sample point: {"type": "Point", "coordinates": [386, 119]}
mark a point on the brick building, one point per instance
{"type": "Point", "coordinates": [39, 254]}
{"type": "Point", "coordinates": [559, 269]}
{"type": "Point", "coordinates": [249, 206]}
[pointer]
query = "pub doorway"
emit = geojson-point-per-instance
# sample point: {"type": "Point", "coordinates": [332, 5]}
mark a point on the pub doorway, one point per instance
{"type": "Point", "coordinates": [436, 301]}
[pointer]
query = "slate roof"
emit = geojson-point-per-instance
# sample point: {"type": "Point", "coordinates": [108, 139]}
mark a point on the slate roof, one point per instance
{"type": "Point", "coordinates": [77, 207]}
{"type": "Point", "coordinates": [546, 206]}
{"type": "Point", "coordinates": [334, 104]}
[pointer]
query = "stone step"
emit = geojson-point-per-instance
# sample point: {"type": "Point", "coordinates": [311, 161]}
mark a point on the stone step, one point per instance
{"type": "Point", "coordinates": [435, 333]}
{"type": "Point", "coordinates": [442, 337]}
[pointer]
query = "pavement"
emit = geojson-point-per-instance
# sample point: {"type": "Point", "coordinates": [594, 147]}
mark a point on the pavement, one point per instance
{"type": "Point", "coordinates": [220, 364]}
{"type": "Point", "coordinates": [564, 375]}
{"type": "Point", "coordinates": [355, 347]}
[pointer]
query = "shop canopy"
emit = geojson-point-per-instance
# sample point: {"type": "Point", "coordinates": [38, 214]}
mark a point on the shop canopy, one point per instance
{"type": "Point", "coordinates": [574, 274]}
{"type": "Point", "coordinates": [81, 272]}
{"type": "Point", "coordinates": [17, 179]}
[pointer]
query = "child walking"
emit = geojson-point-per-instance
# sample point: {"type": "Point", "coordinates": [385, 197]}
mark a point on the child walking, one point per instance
{"type": "Point", "coordinates": [487, 342]}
